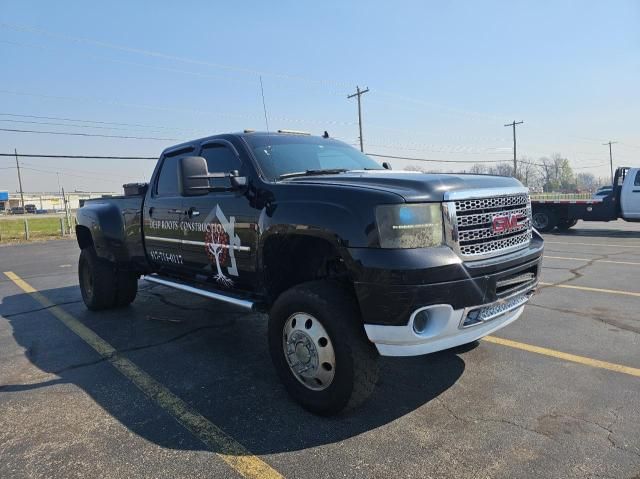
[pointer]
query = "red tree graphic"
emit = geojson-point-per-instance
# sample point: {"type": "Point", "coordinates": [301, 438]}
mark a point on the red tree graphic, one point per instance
{"type": "Point", "coordinates": [217, 247]}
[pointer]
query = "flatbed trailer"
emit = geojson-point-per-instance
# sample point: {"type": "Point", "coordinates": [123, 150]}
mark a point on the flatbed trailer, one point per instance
{"type": "Point", "coordinates": [622, 203]}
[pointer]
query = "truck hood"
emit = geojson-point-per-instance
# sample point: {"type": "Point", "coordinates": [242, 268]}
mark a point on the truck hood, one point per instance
{"type": "Point", "coordinates": [412, 186]}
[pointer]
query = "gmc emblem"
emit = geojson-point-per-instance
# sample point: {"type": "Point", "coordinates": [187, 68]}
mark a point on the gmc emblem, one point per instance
{"type": "Point", "coordinates": [501, 224]}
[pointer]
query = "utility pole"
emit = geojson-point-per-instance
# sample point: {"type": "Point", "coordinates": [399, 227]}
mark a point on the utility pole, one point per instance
{"type": "Point", "coordinates": [610, 157]}
{"type": "Point", "coordinates": [19, 179]}
{"type": "Point", "coordinates": [60, 189]}
{"type": "Point", "coordinates": [515, 163]}
{"type": "Point", "coordinates": [358, 94]}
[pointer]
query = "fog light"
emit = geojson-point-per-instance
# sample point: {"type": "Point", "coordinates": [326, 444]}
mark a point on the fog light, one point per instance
{"type": "Point", "coordinates": [420, 322]}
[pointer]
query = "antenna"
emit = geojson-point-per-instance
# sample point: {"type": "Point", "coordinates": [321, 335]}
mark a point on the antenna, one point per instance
{"type": "Point", "coordinates": [264, 106]}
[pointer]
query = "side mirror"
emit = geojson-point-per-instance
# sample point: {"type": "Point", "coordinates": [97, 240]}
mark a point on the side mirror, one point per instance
{"type": "Point", "coordinates": [386, 166]}
{"type": "Point", "coordinates": [237, 182]}
{"type": "Point", "coordinates": [193, 176]}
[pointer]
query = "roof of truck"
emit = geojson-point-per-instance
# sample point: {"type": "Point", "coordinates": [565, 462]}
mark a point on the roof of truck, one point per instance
{"type": "Point", "coordinates": [244, 133]}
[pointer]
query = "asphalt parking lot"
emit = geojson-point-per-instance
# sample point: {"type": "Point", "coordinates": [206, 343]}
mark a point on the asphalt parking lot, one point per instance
{"type": "Point", "coordinates": [187, 388]}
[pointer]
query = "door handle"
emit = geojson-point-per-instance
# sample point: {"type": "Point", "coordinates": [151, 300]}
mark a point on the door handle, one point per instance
{"type": "Point", "coordinates": [175, 211]}
{"type": "Point", "coordinates": [192, 212]}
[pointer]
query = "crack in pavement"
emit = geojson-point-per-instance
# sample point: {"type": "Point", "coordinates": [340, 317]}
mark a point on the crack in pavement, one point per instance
{"type": "Point", "coordinates": [40, 309]}
{"type": "Point", "coordinates": [492, 420]}
{"type": "Point", "coordinates": [610, 322]}
{"type": "Point", "coordinates": [137, 348]}
{"type": "Point", "coordinates": [607, 428]}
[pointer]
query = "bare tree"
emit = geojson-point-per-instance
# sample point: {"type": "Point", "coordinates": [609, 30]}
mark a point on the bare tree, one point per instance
{"type": "Point", "coordinates": [557, 174]}
{"type": "Point", "coordinates": [478, 169]}
{"type": "Point", "coordinates": [501, 169]}
{"type": "Point", "coordinates": [528, 173]}
{"type": "Point", "coordinates": [586, 182]}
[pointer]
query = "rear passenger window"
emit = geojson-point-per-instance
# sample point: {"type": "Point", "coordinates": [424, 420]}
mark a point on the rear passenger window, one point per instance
{"type": "Point", "coordinates": [220, 159]}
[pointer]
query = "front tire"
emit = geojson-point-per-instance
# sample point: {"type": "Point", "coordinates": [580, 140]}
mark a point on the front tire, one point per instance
{"type": "Point", "coordinates": [544, 220]}
{"type": "Point", "coordinates": [319, 348]}
{"type": "Point", "coordinates": [566, 224]}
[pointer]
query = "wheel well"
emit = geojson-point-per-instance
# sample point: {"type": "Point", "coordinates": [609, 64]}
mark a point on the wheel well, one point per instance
{"type": "Point", "coordinates": [294, 259]}
{"type": "Point", "coordinates": [83, 235]}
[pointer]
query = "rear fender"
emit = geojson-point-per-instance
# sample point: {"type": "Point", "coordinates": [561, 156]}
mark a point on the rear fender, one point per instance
{"type": "Point", "coordinates": [105, 224]}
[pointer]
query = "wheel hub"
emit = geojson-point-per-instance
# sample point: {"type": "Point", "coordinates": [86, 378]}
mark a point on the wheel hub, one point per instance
{"type": "Point", "coordinates": [308, 351]}
{"type": "Point", "coordinates": [303, 353]}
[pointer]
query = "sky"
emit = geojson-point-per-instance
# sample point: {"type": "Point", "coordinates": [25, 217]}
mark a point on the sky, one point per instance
{"type": "Point", "coordinates": [444, 78]}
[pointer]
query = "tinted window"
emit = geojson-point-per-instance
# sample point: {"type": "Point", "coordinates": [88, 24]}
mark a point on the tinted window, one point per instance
{"type": "Point", "coordinates": [168, 179]}
{"type": "Point", "coordinates": [220, 159]}
{"type": "Point", "coordinates": [280, 154]}
{"type": "Point", "coordinates": [637, 180]}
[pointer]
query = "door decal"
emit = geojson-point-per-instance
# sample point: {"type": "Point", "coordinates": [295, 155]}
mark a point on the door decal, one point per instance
{"type": "Point", "coordinates": [220, 243]}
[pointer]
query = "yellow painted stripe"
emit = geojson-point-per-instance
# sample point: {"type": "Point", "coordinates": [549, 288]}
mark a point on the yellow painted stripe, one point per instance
{"type": "Point", "coordinates": [595, 363]}
{"type": "Point", "coordinates": [569, 243]}
{"type": "Point", "coordinates": [595, 290]}
{"type": "Point", "coordinates": [225, 447]}
{"type": "Point", "coordinates": [595, 261]}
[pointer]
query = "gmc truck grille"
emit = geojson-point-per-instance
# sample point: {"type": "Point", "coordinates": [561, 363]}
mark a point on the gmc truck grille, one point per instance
{"type": "Point", "coordinates": [479, 228]}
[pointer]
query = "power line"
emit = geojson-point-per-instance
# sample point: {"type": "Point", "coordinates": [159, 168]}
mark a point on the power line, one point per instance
{"type": "Point", "coordinates": [90, 121]}
{"type": "Point", "coordinates": [175, 110]}
{"type": "Point", "coordinates": [89, 157]}
{"type": "Point", "coordinates": [51, 123]}
{"type": "Point", "coordinates": [69, 174]}
{"type": "Point", "coordinates": [75, 170]}
{"type": "Point", "coordinates": [66, 133]}
{"type": "Point", "coordinates": [165, 56]}
{"type": "Point", "coordinates": [431, 160]}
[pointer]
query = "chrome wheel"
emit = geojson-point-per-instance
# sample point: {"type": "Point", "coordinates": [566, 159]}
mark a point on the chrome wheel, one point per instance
{"type": "Point", "coordinates": [309, 351]}
{"type": "Point", "coordinates": [540, 221]}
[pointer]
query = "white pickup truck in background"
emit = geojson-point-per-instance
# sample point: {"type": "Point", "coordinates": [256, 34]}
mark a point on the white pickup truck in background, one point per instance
{"type": "Point", "coordinates": [623, 202]}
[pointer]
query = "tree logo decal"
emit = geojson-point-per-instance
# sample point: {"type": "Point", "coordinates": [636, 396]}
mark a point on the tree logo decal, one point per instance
{"type": "Point", "coordinates": [220, 243]}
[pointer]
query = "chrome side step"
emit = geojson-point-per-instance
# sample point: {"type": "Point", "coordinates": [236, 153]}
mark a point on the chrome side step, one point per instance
{"type": "Point", "coordinates": [243, 303]}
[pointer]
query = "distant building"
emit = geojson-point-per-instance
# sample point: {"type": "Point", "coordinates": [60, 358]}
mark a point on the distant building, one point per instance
{"type": "Point", "coordinates": [4, 199]}
{"type": "Point", "coordinates": [49, 201]}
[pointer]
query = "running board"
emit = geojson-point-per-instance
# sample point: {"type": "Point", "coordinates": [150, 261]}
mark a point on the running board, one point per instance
{"type": "Point", "coordinates": [243, 303]}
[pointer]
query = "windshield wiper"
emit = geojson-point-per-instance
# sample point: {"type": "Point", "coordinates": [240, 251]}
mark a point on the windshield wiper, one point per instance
{"type": "Point", "coordinates": [327, 171]}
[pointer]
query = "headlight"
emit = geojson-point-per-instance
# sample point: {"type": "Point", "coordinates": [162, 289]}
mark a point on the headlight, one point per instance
{"type": "Point", "coordinates": [410, 226]}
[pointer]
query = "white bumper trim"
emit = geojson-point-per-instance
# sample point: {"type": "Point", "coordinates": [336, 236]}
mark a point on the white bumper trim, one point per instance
{"type": "Point", "coordinates": [443, 332]}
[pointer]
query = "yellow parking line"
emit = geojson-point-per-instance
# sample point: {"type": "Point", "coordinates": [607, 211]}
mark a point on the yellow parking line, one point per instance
{"type": "Point", "coordinates": [223, 445]}
{"type": "Point", "coordinates": [587, 288]}
{"type": "Point", "coordinates": [569, 243]}
{"type": "Point", "coordinates": [596, 260]}
{"type": "Point", "coordinates": [595, 363]}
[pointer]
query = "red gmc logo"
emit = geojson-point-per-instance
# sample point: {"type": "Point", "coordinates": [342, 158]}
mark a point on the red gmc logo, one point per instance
{"type": "Point", "coordinates": [501, 224]}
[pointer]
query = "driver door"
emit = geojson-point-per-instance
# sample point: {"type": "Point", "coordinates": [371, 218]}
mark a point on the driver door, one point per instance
{"type": "Point", "coordinates": [220, 239]}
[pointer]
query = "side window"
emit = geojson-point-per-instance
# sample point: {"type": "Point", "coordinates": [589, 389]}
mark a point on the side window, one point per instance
{"type": "Point", "coordinates": [637, 180]}
{"type": "Point", "coordinates": [220, 159]}
{"type": "Point", "coordinates": [167, 183]}
{"type": "Point", "coordinates": [168, 179]}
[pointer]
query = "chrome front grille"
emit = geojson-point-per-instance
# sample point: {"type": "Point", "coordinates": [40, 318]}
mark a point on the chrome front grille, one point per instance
{"type": "Point", "coordinates": [470, 221]}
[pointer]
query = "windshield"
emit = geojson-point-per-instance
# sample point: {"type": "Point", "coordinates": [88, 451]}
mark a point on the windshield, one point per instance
{"type": "Point", "coordinates": [279, 155]}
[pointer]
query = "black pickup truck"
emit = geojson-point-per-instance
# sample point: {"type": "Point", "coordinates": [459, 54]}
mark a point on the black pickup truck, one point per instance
{"type": "Point", "coordinates": [349, 259]}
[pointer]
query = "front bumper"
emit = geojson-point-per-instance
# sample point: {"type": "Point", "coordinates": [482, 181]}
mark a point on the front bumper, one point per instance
{"type": "Point", "coordinates": [393, 286]}
{"type": "Point", "coordinates": [446, 327]}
